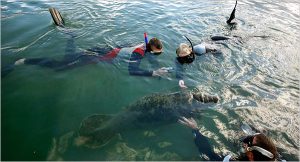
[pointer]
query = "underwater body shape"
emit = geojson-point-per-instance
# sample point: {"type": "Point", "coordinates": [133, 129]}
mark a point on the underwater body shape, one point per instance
{"type": "Point", "coordinates": [156, 109]}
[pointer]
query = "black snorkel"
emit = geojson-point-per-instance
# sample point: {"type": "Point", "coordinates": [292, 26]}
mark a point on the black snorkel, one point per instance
{"type": "Point", "coordinates": [190, 43]}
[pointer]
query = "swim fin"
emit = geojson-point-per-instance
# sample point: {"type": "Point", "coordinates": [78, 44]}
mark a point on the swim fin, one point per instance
{"type": "Point", "coordinates": [57, 18]}
{"type": "Point", "coordinates": [232, 15]}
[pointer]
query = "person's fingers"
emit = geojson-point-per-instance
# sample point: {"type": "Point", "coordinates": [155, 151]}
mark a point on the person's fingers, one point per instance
{"type": "Point", "coordinates": [193, 120]}
{"type": "Point", "coordinates": [164, 71]}
{"type": "Point", "coordinates": [182, 118]}
{"type": "Point", "coordinates": [189, 122]}
{"type": "Point", "coordinates": [185, 119]}
{"type": "Point", "coordinates": [184, 123]}
{"type": "Point", "coordinates": [160, 72]}
{"type": "Point", "coordinates": [181, 122]}
{"type": "Point", "coordinates": [194, 123]}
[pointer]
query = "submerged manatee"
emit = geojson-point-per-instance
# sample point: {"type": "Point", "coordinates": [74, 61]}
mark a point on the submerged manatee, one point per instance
{"type": "Point", "coordinates": [97, 130]}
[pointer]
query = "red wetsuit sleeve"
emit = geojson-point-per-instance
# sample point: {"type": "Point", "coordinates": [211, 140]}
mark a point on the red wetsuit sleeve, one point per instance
{"type": "Point", "coordinates": [110, 55]}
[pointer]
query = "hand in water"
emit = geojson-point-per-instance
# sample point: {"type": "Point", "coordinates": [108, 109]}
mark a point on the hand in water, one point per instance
{"type": "Point", "coordinates": [181, 84]}
{"type": "Point", "coordinates": [169, 69]}
{"type": "Point", "coordinates": [188, 122]}
{"type": "Point", "coordinates": [20, 61]}
{"type": "Point", "coordinates": [160, 72]}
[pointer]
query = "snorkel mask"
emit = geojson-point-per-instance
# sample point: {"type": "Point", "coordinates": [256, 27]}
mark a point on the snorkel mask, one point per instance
{"type": "Point", "coordinates": [155, 53]}
{"type": "Point", "coordinates": [249, 141]}
{"type": "Point", "coordinates": [189, 58]}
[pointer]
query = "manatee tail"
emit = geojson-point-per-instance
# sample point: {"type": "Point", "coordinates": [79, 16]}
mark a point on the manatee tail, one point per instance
{"type": "Point", "coordinates": [205, 98]}
{"type": "Point", "coordinates": [232, 15]}
{"type": "Point", "coordinates": [93, 131]}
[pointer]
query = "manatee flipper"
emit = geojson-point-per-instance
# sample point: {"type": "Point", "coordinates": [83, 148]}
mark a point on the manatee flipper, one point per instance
{"type": "Point", "coordinates": [232, 15]}
{"type": "Point", "coordinates": [205, 98]}
{"type": "Point", "coordinates": [57, 18]}
{"type": "Point", "coordinates": [93, 131]}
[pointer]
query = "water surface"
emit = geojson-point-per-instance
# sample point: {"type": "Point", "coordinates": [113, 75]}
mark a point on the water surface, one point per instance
{"type": "Point", "coordinates": [257, 76]}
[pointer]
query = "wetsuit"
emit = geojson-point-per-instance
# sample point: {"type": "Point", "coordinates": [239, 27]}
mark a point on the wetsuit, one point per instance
{"type": "Point", "coordinates": [135, 60]}
{"type": "Point", "coordinates": [204, 146]}
{"type": "Point", "coordinates": [96, 55]}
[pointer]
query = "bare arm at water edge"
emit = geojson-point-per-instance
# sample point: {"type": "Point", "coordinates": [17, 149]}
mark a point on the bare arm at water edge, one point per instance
{"type": "Point", "coordinates": [134, 63]}
{"type": "Point", "coordinates": [179, 74]}
{"type": "Point", "coordinates": [201, 141]}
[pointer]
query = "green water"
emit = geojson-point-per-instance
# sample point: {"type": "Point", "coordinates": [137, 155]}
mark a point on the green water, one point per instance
{"type": "Point", "coordinates": [257, 78]}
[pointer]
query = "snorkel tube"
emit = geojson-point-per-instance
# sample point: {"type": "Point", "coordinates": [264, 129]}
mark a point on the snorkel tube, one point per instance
{"type": "Point", "coordinates": [146, 40]}
{"type": "Point", "coordinates": [190, 42]}
{"type": "Point", "coordinates": [191, 46]}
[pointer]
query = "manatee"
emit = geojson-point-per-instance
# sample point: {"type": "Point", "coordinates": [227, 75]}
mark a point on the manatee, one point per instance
{"type": "Point", "coordinates": [97, 130]}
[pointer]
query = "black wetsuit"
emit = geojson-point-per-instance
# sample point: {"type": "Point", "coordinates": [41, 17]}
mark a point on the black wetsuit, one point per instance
{"type": "Point", "coordinates": [204, 146]}
{"type": "Point", "coordinates": [92, 56]}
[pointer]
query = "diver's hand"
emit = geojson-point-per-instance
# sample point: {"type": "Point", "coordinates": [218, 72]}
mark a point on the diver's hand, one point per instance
{"type": "Point", "coordinates": [188, 122]}
{"type": "Point", "coordinates": [160, 72]}
{"type": "Point", "coordinates": [181, 84]}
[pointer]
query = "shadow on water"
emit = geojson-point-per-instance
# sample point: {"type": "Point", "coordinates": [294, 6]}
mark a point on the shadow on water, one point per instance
{"type": "Point", "coordinates": [28, 128]}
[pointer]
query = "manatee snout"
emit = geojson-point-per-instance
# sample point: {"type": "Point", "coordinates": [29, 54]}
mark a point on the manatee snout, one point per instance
{"type": "Point", "coordinates": [206, 98]}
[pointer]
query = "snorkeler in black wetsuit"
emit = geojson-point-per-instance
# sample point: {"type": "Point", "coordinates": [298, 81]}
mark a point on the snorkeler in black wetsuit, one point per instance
{"type": "Point", "coordinates": [257, 146]}
{"type": "Point", "coordinates": [187, 54]}
{"type": "Point", "coordinates": [95, 55]}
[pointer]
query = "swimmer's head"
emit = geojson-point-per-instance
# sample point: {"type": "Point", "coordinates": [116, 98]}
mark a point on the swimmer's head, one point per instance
{"type": "Point", "coordinates": [183, 50]}
{"type": "Point", "coordinates": [155, 46]}
{"type": "Point", "coordinates": [259, 148]}
{"type": "Point", "coordinates": [185, 54]}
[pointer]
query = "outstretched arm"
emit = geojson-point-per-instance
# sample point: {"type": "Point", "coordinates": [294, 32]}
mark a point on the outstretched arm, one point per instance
{"type": "Point", "coordinates": [134, 66]}
{"type": "Point", "coordinates": [179, 74]}
{"type": "Point", "coordinates": [201, 141]}
{"type": "Point", "coordinates": [153, 61]}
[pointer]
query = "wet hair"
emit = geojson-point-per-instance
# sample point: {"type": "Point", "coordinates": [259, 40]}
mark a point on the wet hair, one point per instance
{"type": "Point", "coordinates": [184, 59]}
{"type": "Point", "coordinates": [154, 42]}
{"type": "Point", "coordinates": [265, 143]}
